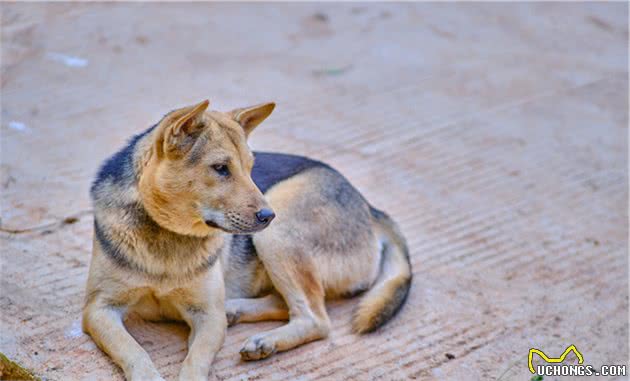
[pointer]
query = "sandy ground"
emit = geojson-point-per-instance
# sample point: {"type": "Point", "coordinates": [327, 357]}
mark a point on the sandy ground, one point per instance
{"type": "Point", "coordinates": [495, 134]}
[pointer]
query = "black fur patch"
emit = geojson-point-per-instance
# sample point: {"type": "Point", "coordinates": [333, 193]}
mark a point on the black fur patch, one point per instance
{"type": "Point", "coordinates": [242, 248]}
{"type": "Point", "coordinates": [377, 214]}
{"type": "Point", "coordinates": [119, 167]}
{"type": "Point", "coordinates": [352, 293]}
{"type": "Point", "coordinates": [345, 193]}
{"type": "Point", "coordinates": [112, 251]}
{"type": "Point", "coordinates": [272, 168]}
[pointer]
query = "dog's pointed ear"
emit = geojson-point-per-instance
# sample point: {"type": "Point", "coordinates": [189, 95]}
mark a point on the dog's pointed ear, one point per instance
{"type": "Point", "coordinates": [182, 127]}
{"type": "Point", "coordinates": [250, 117]}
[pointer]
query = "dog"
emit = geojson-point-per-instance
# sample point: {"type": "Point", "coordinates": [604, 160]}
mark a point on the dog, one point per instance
{"type": "Point", "coordinates": [183, 231]}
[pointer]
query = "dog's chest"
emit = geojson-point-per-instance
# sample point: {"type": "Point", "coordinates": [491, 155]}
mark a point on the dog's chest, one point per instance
{"type": "Point", "coordinates": [177, 256]}
{"type": "Point", "coordinates": [155, 304]}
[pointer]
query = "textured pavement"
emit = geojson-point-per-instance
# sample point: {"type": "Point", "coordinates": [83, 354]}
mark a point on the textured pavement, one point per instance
{"type": "Point", "coordinates": [495, 134]}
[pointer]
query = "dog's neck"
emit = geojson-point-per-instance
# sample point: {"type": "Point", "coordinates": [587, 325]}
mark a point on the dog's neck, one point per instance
{"type": "Point", "coordinates": [159, 253]}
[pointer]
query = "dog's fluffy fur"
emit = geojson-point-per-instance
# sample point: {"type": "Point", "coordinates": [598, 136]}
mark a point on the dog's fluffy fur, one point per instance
{"type": "Point", "coordinates": [176, 233]}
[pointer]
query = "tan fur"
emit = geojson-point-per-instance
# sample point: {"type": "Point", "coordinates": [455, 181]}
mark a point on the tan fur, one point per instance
{"type": "Point", "coordinates": [289, 199]}
{"type": "Point", "coordinates": [305, 274]}
{"type": "Point", "coordinates": [178, 215]}
{"type": "Point", "coordinates": [368, 309]}
{"type": "Point", "coordinates": [156, 255]}
{"type": "Point", "coordinates": [170, 189]}
{"type": "Point", "coordinates": [113, 295]}
{"type": "Point", "coordinates": [317, 248]}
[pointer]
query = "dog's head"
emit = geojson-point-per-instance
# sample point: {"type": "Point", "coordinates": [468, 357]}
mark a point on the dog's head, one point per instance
{"type": "Point", "coordinates": [196, 177]}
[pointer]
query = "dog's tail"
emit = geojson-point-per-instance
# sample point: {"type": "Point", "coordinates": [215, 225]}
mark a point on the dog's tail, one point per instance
{"type": "Point", "coordinates": [391, 287]}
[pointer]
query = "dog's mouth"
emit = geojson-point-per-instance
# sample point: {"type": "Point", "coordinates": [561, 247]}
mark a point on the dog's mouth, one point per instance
{"type": "Point", "coordinates": [237, 229]}
{"type": "Point", "coordinates": [213, 224]}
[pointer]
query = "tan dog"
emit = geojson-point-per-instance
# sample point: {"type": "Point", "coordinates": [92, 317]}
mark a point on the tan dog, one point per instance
{"type": "Point", "coordinates": [187, 192]}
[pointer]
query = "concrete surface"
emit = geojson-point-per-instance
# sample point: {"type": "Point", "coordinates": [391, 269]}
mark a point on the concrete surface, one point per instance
{"type": "Point", "coordinates": [496, 135]}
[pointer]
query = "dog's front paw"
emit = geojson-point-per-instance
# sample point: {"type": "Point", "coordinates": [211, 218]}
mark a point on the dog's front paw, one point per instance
{"type": "Point", "coordinates": [257, 348]}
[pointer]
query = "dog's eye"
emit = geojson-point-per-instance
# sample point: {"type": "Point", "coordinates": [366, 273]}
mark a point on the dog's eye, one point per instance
{"type": "Point", "coordinates": [221, 169]}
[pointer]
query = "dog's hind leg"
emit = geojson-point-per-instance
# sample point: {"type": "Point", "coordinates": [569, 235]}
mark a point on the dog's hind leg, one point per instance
{"type": "Point", "coordinates": [296, 278]}
{"type": "Point", "coordinates": [247, 310]}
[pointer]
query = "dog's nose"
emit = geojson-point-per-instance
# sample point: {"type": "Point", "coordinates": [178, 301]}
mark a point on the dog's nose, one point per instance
{"type": "Point", "coordinates": [264, 216]}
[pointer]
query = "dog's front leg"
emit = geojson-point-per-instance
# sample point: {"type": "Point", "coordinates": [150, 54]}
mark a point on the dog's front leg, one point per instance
{"type": "Point", "coordinates": [203, 309]}
{"type": "Point", "coordinates": [105, 324]}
